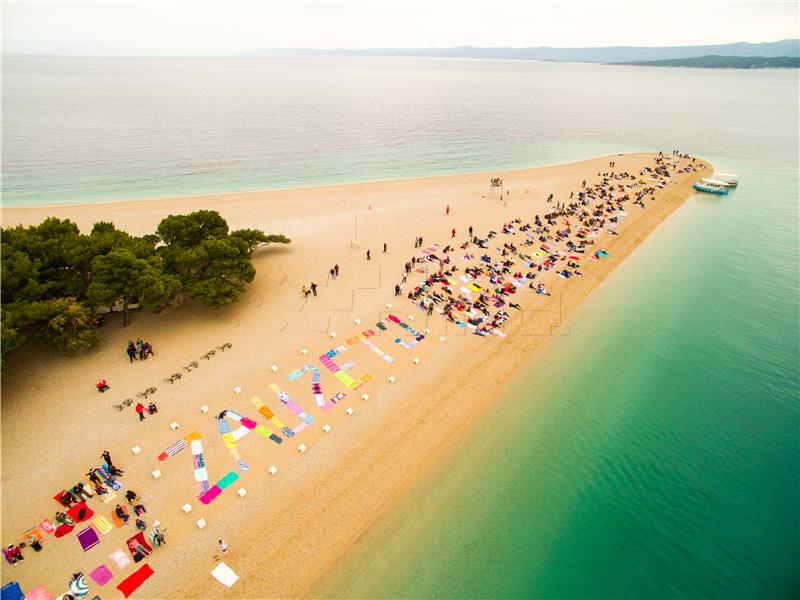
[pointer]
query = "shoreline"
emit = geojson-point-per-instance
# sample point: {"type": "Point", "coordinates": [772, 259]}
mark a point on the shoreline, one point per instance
{"type": "Point", "coordinates": [304, 188]}
{"type": "Point", "coordinates": [303, 520]}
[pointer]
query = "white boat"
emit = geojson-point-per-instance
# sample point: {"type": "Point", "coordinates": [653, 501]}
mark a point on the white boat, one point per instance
{"type": "Point", "coordinates": [720, 182]}
{"type": "Point", "coordinates": [727, 177]}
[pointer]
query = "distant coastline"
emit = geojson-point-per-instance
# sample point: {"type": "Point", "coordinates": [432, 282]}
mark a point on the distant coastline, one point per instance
{"type": "Point", "coordinates": [714, 61]}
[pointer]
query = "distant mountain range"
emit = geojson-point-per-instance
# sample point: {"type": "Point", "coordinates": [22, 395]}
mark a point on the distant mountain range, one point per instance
{"type": "Point", "coordinates": [714, 61]}
{"type": "Point", "coordinates": [611, 54]}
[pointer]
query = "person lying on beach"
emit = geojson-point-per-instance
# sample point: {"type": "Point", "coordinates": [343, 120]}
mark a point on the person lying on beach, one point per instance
{"type": "Point", "coordinates": [122, 514]}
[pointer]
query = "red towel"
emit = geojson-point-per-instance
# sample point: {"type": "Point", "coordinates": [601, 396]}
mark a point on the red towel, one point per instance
{"type": "Point", "coordinates": [131, 583]}
{"type": "Point", "coordinates": [63, 530]}
{"type": "Point", "coordinates": [80, 512]}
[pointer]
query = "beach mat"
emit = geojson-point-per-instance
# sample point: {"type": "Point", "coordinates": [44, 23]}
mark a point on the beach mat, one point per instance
{"type": "Point", "coordinates": [108, 496]}
{"type": "Point", "coordinates": [224, 574]}
{"type": "Point", "coordinates": [131, 583]}
{"type": "Point", "coordinates": [38, 593]}
{"type": "Point", "coordinates": [47, 526]}
{"type": "Point", "coordinates": [33, 531]}
{"type": "Point", "coordinates": [88, 538]}
{"type": "Point", "coordinates": [63, 530]}
{"type": "Point", "coordinates": [102, 525]}
{"type": "Point", "coordinates": [119, 558]}
{"type": "Point", "coordinates": [101, 575]}
{"type": "Point", "coordinates": [11, 591]}
{"type": "Point", "coordinates": [80, 512]}
{"type": "Point", "coordinates": [138, 538]}
{"type": "Point", "coordinates": [118, 523]}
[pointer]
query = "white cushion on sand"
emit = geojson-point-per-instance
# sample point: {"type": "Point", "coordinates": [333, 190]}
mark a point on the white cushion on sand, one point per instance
{"type": "Point", "coordinates": [156, 474]}
{"type": "Point", "coordinates": [186, 508]}
{"type": "Point", "coordinates": [137, 450]}
{"type": "Point", "coordinates": [201, 523]}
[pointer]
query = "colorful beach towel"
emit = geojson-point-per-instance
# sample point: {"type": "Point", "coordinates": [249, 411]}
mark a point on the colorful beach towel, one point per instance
{"type": "Point", "coordinates": [136, 579]}
{"type": "Point", "coordinates": [78, 587]}
{"type": "Point", "coordinates": [80, 512]}
{"type": "Point", "coordinates": [118, 523]}
{"type": "Point", "coordinates": [33, 531]}
{"type": "Point", "coordinates": [102, 525]}
{"type": "Point", "coordinates": [88, 538]}
{"type": "Point", "coordinates": [102, 575]}
{"type": "Point", "coordinates": [224, 574]}
{"type": "Point", "coordinates": [135, 541]}
{"type": "Point", "coordinates": [47, 526]}
{"type": "Point", "coordinates": [108, 496]}
{"type": "Point", "coordinates": [120, 559]}
{"type": "Point", "coordinates": [38, 593]}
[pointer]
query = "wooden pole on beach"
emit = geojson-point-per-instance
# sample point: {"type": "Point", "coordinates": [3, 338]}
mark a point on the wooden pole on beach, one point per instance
{"type": "Point", "coordinates": [354, 243]}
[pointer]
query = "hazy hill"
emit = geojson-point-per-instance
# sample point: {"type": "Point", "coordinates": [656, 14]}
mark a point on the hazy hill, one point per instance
{"type": "Point", "coordinates": [611, 54]}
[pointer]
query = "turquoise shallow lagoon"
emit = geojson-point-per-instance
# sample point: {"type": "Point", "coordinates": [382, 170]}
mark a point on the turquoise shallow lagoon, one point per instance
{"type": "Point", "coordinates": [653, 451]}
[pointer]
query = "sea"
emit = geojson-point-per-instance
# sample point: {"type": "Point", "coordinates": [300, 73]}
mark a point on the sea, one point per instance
{"type": "Point", "coordinates": [654, 450]}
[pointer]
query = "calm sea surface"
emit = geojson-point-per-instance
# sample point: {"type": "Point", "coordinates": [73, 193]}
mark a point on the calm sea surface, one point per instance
{"type": "Point", "coordinates": [655, 450]}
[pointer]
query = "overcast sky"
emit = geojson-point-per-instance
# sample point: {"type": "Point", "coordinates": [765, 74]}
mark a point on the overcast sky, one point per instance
{"type": "Point", "coordinates": [204, 28]}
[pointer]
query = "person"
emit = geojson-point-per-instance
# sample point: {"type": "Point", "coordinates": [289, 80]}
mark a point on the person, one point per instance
{"type": "Point", "coordinates": [313, 288]}
{"type": "Point", "coordinates": [101, 385]}
{"type": "Point", "coordinates": [336, 269]}
{"type": "Point", "coordinates": [141, 525]}
{"type": "Point", "coordinates": [384, 247]}
{"type": "Point", "coordinates": [223, 546]}
{"type": "Point", "coordinates": [157, 537]}
{"type": "Point", "coordinates": [13, 554]}
{"type": "Point", "coordinates": [147, 350]}
{"type": "Point", "coordinates": [94, 478]}
{"type": "Point", "coordinates": [139, 346]}
{"type": "Point", "coordinates": [470, 231]}
{"type": "Point", "coordinates": [139, 509]}
{"type": "Point", "coordinates": [368, 256]}
{"type": "Point", "coordinates": [67, 499]}
{"type": "Point", "coordinates": [447, 210]}
{"type": "Point", "coordinates": [80, 491]}
{"type": "Point", "coordinates": [130, 496]}
{"type": "Point", "coordinates": [333, 273]}
{"type": "Point", "coordinates": [131, 350]}
{"type": "Point", "coordinates": [120, 512]}
{"type": "Point", "coordinates": [305, 292]}
{"type": "Point", "coordinates": [453, 233]}
{"type": "Point", "coordinates": [152, 408]}
{"type": "Point", "coordinates": [397, 289]}
{"type": "Point", "coordinates": [34, 543]}
{"type": "Point", "coordinates": [140, 410]}
{"type": "Point", "coordinates": [64, 519]}
{"type": "Point", "coordinates": [106, 456]}
{"type": "Point", "coordinates": [115, 470]}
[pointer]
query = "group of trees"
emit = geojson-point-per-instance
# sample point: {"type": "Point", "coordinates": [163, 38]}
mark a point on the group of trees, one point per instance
{"type": "Point", "coordinates": [54, 278]}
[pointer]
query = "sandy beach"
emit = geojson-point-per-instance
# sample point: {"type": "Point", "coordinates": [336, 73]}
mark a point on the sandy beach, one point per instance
{"type": "Point", "coordinates": [291, 527]}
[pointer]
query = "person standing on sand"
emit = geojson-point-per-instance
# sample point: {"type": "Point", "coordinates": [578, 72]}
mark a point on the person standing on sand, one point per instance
{"type": "Point", "coordinates": [470, 231]}
{"type": "Point", "coordinates": [453, 233]}
{"type": "Point", "coordinates": [368, 256]}
{"type": "Point", "coordinates": [396, 289]}
{"type": "Point", "coordinates": [131, 351]}
{"type": "Point", "coordinates": [336, 269]}
{"type": "Point", "coordinates": [140, 410]}
{"type": "Point", "coordinates": [313, 288]}
{"type": "Point", "coordinates": [223, 546]}
{"type": "Point", "coordinates": [447, 210]}
{"type": "Point", "coordinates": [384, 247]}
{"type": "Point", "coordinates": [107, 457]}
{"type": "Point", "coordinates": [333, 273]}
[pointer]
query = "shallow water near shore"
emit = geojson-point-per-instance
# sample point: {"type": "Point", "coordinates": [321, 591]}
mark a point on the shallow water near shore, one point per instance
{"type": "Point", "coordinates": [652, 450]}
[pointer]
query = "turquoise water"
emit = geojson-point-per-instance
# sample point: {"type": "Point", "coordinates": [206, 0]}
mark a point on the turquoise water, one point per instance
{"type": "Point", "coordinates": [655, 451]}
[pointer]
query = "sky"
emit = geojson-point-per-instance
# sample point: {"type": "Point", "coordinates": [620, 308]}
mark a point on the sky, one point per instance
{"type": "Point", "coordinates": [183, 28]}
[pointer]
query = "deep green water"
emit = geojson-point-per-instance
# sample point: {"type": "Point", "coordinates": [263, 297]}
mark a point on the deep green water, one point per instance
{"type": "Point", "coordinates": [654, 451]}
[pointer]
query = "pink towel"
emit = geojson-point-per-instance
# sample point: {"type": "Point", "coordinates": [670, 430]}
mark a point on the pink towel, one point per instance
{"type": "Point", "coordinates": [102, 575]}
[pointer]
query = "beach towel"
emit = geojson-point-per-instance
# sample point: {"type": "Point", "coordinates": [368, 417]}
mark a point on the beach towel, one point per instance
{"type": "Point", "coordinates": [63, 530]}
{"type": "Point", "coordinates": [33, 531]}
{"type": "Point", "coordinates": [102, 575]}
{"type": "Point", "coordinates": [78, 587]}
{"type": "Point", "coordinates": [80, 512]}
{"type": "Point", "coordinates": [11, 591]}
{"type": "Point", "coordinates": [38, 593]}
{"type": "Point", "coordinates": [108, 496]}
{"type": "Point", "coordinates": [88, 538]}
{"type": "Point", "coordinates": [102, 525]}
{"type": "Point", "coordinates": [224, 574]}
{"type": "Point", "coordinates": [118, 523]}
{"type": "Point", "coordinates": [47, 526]}
{"type": "Point", "coordinates": [133, 581]}
{"type": "Point", "coordinates": [138, 539]}
{"type": "Point", "coordinates": [120, 559]}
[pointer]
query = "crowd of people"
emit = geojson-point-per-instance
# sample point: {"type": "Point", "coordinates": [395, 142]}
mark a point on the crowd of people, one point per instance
{"type": "Point", "coordinates": [139, 350]}
{"type": "Point", "coordinates": [556, 241]}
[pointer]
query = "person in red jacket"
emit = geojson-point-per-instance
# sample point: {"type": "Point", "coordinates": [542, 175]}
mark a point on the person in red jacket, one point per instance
{"type": "Point", "coordinates": [140, 409]}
